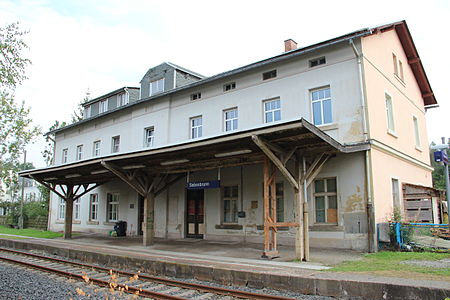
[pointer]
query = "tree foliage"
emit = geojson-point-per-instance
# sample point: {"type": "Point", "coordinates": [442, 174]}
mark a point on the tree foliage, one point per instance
{"type": "Point", "coordinates": [16, 129]}
{"type": "Point", "coordinates": [77, 114]}
{"type": "Point", "coordinates": [49, 147]}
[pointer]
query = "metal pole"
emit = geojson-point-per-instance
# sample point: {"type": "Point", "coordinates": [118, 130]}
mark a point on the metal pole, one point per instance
{"type": "Point", "coordinates": [20, 221]}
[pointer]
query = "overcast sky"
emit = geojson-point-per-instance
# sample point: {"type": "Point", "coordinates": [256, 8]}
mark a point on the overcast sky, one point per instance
{"type": "Point", "coordinates": [106, 44]}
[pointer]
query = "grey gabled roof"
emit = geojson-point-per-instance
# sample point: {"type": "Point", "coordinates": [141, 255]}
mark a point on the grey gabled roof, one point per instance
{"type": "Point", "coordinates": [109, 94]}
{"type": "Point", "coordinates": [185, 70]}
{"type": "Point", "coordinates": [275, 59]}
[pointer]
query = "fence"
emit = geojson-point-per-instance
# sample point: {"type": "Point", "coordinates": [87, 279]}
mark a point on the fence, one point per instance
{"type": "Point", "coordinates": [421, 235]}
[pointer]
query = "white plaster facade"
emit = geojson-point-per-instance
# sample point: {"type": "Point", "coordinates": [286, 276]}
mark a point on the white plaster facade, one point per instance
{"type": "Point", "coordinates": [169, 115]}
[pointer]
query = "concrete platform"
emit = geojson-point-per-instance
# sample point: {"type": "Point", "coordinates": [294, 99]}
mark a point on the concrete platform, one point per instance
{"type": "Point", "coordinates": [233, 263]}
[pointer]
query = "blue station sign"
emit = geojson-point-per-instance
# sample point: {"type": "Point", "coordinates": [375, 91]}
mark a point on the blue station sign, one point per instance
{"type": "Point", "coordinates": [441, 156]}
{"type": "Point", "coordinates": [200, 185]}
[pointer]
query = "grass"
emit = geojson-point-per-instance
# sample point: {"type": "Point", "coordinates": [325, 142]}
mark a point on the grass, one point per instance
{"type": "Point", "coordinates": [30, 232]}
{"type": "Point", "coordinates": [387, 263]}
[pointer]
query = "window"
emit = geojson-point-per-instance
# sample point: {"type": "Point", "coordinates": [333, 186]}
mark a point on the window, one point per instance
{"type": "Point", "coordinates": [196, 127]}
{"type": "Point", "coordinates": [269, 75]}
{"type": "Point", "coordinates": [196, 96]}
{"type": "Point", "coordinates": [229, 86]}
{"type": "Point", "coordinates": [79, 153]}
{"type": "Point", "coordinates": [400, 69]}
{"type": "Point", "coordinates": [61, 209]}
{"type": "Point", "coordinates": [87, 111]}
{"type": "Point", "coordinates": [317, 61]}
{"type": "Point", "coordinates": [156, 87]}
{"type": "Point", "coordinates": [395, 194]}
{"type": "Point", "coordinates": [96, 148]}
{"type": "Point", "coordinates": [231, 119]}
{"type": "Point", "coordinates": [122, 99]}
{"type": "Point", "coordinates": [93, 207]}
{"type": "Point", "coordinates": [113, 207]}
{"type": "Point", "coordinates": [76, 209]}
{"type": "Point", "coordinates": [103, 106]}
{"type": "Point", "coordinates": [325, 200]}
{"type": "Point", "coordinates": [390, 114]}
{"type": "Point", "coordinates": [115, 144]}
{"type": "Point", "coordinates": [272, 110]}
{"type": "Point", "coordinates": [149, 137]}
{"type": "Point", "coordinates": [394, 61]}
{"type": "Point", "coordinates": [321, 106]}
{"type": "Point", "coordinates": [64, 155]}
{"type": "Point", "coordinates": [416, 131]}
{"type": "Point", "coordinates": [230, 204]}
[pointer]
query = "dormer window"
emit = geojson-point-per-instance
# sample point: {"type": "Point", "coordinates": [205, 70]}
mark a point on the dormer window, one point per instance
{"type": "Point", "coordinates": [317, 62]}
{"type": "Point", "coordinates": [122, 99]}
{"type": "Point", "coordinates": [87, 111]}
{"type": "Point", "coordinates": [156, 86]}
{"type": "Point", "coordinates": [103, 106]}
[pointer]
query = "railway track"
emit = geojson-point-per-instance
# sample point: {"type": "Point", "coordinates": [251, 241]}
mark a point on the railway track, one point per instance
{"type": "Point", "coordinates": [128, 282]}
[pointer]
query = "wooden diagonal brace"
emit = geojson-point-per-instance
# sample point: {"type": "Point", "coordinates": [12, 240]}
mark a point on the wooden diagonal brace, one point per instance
{"type": "Point", "coordinates": [262, 145]}
{"type": "Point", "coordinates": [312, 172]}
{"type": "Point", "coordinates": [49, 186]}
{"type": "Point", "coordinates": [124, 178]}
{"type": "Point", "coordinates": [168, 184]}
{"type": "Point", "coordinates": [87, 190]}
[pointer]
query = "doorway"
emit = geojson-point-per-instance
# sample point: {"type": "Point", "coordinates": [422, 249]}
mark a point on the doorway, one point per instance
{"type": "Point", "coordinates": [140, 214]}
{"type": "Point", "coordinates": [195, 215]}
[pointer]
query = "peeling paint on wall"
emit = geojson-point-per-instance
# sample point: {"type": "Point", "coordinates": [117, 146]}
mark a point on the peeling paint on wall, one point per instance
{"type": "Point", "coordinates": [354, 202]}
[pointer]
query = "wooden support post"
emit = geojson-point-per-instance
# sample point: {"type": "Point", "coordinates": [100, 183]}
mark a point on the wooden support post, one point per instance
{"type": "Point", "coordinates": [149, 219]}
{"type": "Point", "coordinates": [306, 229]}
{"type": "Point", "coordinates": [298, 206]}
{"type": "Point", "coordinates": [69, 213]}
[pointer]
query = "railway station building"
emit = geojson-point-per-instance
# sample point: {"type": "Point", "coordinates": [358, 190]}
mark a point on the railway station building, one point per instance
{"type": "Point", "coordinates": [308, 148]}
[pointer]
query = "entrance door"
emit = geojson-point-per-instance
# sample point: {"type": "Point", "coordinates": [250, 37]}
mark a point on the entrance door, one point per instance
{"type": "Point", "coordinates": [195, 227]}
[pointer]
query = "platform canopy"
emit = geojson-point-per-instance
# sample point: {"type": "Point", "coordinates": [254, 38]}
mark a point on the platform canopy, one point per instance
{"type": "Point", "coordinates": [226, 150]}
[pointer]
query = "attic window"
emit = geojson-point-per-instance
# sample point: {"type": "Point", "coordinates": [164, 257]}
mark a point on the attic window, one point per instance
{"type": "Point", "coordinates": [229, 86]}
{"type": "Point", "coordinates": [317, 61]}
{"type": "Point", "coordinates": [270, 74]}
{"type": "Point", "coordinates": [156, 86]}
{"type": "Point", "coordinates": [196, 96]}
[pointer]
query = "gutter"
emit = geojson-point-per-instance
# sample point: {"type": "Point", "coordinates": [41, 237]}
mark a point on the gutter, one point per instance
{"type": "Point", "coordinates": [371, 227]}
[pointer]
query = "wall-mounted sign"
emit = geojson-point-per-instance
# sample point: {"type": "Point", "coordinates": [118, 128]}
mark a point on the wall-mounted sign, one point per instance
{"type": "Point", "coordinates": [441, 156]}
{"type": "Point", "coordinates": [200, 185]}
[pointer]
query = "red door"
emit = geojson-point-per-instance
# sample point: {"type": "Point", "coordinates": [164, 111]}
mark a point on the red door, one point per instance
{"type": "Point", "coordinates": [195, 227]}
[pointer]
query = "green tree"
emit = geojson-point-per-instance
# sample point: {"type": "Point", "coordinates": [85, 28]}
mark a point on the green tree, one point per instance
{"type": "Point", "coordinates": [16, 129]}
{"type": "Point", "coordinates": [77, 114]}
{"type": "Point", "coordinates": [49, 149]}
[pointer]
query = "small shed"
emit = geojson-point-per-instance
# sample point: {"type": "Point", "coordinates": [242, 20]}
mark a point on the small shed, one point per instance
{"type": "Point", "coordinates": [422, 204]}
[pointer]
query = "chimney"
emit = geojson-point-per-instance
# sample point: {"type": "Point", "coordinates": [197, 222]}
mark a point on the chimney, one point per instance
{"type": "Point", "coordinates": [289, 45]}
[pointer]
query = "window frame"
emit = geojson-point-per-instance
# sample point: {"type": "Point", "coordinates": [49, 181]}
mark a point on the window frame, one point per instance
{"type": "Point", "coordinates": [146, 136]}
{"type": "Point", "coordinates": [113, 144]}
{"type": "Point", "coordinates": [390, 120]}
{"type": "Point", "coordinates": [88, 111]}
{"type": "Point", "coordinates": [416, 132]}
{"type": "Point", "coordinates": [396, 198]}
{"type": "Point", "coordinates": [234, 217]}
{"type": "Point", "coordinates": [77, 210]}
{"type": "Point", "coordinates": [196, 96]}
{"type": "Point", "coordinates": [61, 209]}
{"type": "Point", "coordinates": [122, 99]}
{"type": "Point", "coordinates": [103, 106]}
{"type": "Point", "coordinates": [318, 60]}
{"type": "Point", "coordinates": [198, 129]}
{"type": "Point", "coordinates": [326, 194]}
{"type": "Point", "coordinates": [160, 89]}
{"type": "Point", "coordinates": [112, 207]}
{"type": "Point", "coordinates": [96, 150]}
{"type": "Point", "coordinates": [64, 158]}
{"type": "Point", "coordinates": [271, 111]}
{"type": "Point", "coordinates": [269, 75]}
{"type": "Point", "coordinates": [79, 152]}
{"type": "Point", "coordinates": [321, 102]}
{"type": "Point", "coordinates": [93, 202]}
{"type": "Point", "coordinates": [229, 86]}
{"type": "Point", "coordinates": [231, 120]}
